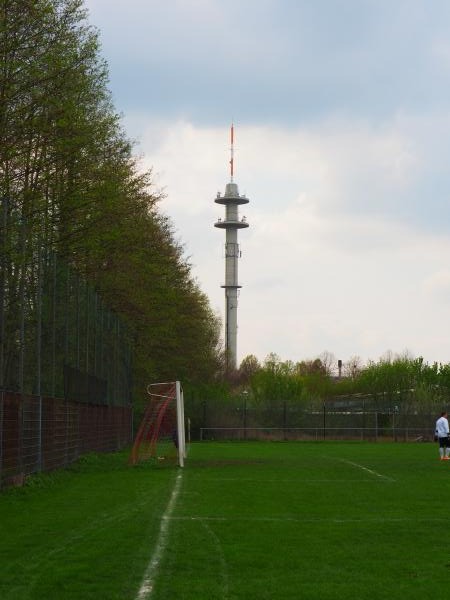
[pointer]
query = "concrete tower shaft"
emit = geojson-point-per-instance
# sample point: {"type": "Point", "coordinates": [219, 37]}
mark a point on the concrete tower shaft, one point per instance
{"type": "Point", "coordinates": [231, 200]}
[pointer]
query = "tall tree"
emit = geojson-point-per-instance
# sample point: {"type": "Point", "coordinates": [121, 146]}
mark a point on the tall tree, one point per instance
{"type": "Point", "coordinates": [75, 187]}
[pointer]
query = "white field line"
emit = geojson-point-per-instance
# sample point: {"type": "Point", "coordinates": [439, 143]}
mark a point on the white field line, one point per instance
{"type": "Point", "coordinates": [152, 569]}
{"type": "Point", "coordinates": [349, 462]}
{"type": "Point", "coordinates": [293, 480]}
{"type": "Point", "coordinates": [312, 520]}
{"type": "Point", "coordinates": [32, 565]}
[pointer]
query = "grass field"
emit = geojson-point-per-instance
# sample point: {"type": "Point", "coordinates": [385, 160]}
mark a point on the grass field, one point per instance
{"type": "Point", "coordinates": [241, 521]}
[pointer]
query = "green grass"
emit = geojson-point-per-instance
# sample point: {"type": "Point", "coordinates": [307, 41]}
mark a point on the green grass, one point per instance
{"type": "Point", "coordinates": [251, 520]}
{"type": "Point", "coordinates": [81, 534]}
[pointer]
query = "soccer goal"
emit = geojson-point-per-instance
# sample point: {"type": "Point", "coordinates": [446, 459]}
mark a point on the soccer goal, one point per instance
{"type": "Point", "coordinates": [161, 434]}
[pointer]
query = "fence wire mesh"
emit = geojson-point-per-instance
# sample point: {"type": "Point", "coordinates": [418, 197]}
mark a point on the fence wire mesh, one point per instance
{"type": "Point", "coordinates": [42, 434]}
{"type": "Point", "coordinates": [65, 358]}
{"type": "Point", "coordinates": [56, 336]}
{"type": "Point", "coordinates": [329, 421]}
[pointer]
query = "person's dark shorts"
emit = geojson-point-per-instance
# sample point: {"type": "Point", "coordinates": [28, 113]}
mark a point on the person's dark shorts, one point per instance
{"type": "Point", "coordinates": [444, 442]}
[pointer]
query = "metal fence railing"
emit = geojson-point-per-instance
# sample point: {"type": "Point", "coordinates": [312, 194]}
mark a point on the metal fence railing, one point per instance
{"type": "Point", "coordinates": [369, 434]}
{"type": "Point", "coordinates": [297, 422]}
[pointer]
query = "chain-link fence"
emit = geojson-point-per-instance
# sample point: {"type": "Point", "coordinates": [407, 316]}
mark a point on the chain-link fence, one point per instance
{"type": "Point", "coordinates": [56, 336]}
{"type": "Point", "coordinates": [328, 421]}
{"type": "Point", "coordinates": [41, 434]}
{"type": "Point", "coordinates": [65, 358]}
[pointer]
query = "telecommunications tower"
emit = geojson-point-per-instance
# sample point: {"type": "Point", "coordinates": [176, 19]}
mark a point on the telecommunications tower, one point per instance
{"type": "Point", "coordinates": [231, 200]}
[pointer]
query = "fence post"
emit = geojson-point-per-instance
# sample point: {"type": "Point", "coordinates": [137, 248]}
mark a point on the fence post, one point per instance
{"type": "Point", "coordinates": [363, 419]}
{"type": "Point", "coordinates": [394, 432]}
{"type": "Point", "coordinates": [87, 325]}
{"type": "Point", "coordinates": [65, 298]}
{"type": "Point", "coordinates": [2, 293]}
{"type": "Point", "coordinates": [244, 393]}
{"type": "Point", "coordinates": [53, 371]}
{"type": "Point", "coordinates": [2, 394]}
{"type": "Point", "coordinates": [21, 365]}
{"type": "Point", "coordinates": [39, 357]}
{"type": "Point", "coordinates": [77, 321]}
{"type": "Point", "coordinates": [204, 413]}
{"type": "Point", "coordinates": [22, 309]}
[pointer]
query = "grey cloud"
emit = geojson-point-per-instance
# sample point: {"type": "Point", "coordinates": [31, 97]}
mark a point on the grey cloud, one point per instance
{"type": "Point", "coordinates": [275, 61]}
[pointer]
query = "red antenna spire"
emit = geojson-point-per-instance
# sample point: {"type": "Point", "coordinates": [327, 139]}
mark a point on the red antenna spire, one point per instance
{"type": "Point", "coordinates": [232, 153]}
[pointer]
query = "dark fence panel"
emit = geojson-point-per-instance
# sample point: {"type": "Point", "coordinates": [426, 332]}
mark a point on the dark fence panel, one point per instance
{"type": "Point", "coordinates": [42, 434]}
{"type": "Point", "coordinates": [314, 434]}
{"type": "Point", "coordinates": [57, 338]}
{"type": "Point", "coordinates": [288, 422]}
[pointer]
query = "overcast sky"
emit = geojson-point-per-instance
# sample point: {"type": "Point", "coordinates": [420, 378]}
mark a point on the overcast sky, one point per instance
{"type": "Point", "coordinates": [342, 144]}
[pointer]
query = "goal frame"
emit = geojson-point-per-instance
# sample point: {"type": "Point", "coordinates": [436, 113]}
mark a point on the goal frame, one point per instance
{"type": "Point", "coordinates": [149, 428]}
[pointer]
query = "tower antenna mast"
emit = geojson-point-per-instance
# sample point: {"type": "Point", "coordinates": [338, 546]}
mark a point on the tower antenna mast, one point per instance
{"type": "Point", "coordinates": [232, 153]}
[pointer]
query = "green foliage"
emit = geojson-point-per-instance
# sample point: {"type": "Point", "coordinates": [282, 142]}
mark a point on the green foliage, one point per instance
{"type": "Point", "coordinates": [283, 383]}
{"type": "Point", "coordinates": [400, 381]}
{"type": "Point", "coordinates": [405, 381]}
{"type": "Point", "coordinates": [248, 367]}
{"type": "Point", "coordinates": [200, 398]}
{"type": "Point", "coordinates": [75, 187]}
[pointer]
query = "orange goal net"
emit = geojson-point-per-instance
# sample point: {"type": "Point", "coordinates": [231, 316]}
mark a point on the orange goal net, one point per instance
{"type": "Point", "coordinates": [161, 434]}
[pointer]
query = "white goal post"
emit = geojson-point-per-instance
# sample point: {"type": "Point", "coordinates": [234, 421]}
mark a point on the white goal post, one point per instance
{"type": "Point", "coordinates": [181, 427]}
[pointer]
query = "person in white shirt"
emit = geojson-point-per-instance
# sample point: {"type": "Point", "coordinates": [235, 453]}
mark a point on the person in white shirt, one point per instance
{"type": "Point", "coordinates": [442, 433]}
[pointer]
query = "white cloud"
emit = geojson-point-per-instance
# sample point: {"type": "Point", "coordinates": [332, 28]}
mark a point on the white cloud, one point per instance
{"type": "Point", "coordinates": [437, 286]}
{"type": "Point", "coordinates": [342, 146]}
{"type": "Point", "coordinates": [321, 267]}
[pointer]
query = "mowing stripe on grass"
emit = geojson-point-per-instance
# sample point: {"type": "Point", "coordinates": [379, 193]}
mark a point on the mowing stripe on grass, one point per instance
{"type": "Point", "coordinates": [147, 584]}
{"type": "Point", "coordinates": [223, 564]}
{"type": "Point", "coordinates": [349, 462]}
